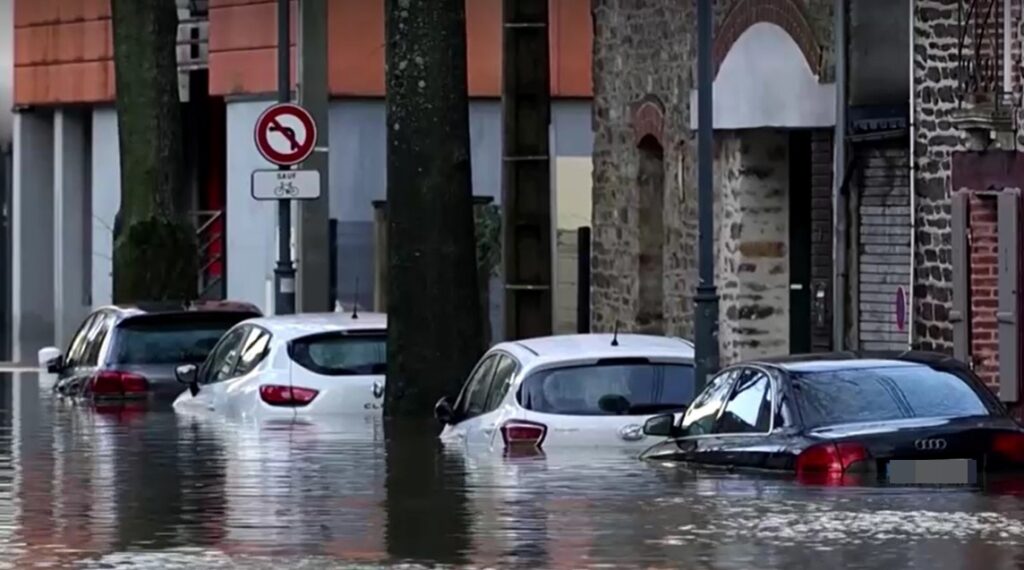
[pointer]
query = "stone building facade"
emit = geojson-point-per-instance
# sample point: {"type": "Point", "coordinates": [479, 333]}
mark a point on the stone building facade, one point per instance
{"type": "Point", "coordinates": [773, 170]}
{"type": "Point", "coordinates": [886, 219]}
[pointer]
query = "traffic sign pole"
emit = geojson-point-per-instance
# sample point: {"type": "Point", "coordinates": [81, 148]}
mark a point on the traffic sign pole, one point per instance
{"type": "Point", "coordinates": [284, 273]}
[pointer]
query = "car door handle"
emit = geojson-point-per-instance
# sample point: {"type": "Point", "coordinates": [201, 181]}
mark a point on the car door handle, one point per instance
{"type": "Point", "coordinates": [488, 430]}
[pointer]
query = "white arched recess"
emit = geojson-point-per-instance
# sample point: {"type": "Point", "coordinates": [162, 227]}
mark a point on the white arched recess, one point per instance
{"type": "Point", "coordinates": [765, 81]}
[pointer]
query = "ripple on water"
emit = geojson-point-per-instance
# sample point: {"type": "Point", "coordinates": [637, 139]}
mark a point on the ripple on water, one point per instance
{"type": "Point", "coordinates": [116, 488]}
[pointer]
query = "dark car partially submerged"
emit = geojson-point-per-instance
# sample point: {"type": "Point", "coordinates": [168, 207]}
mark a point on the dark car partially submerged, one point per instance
{"type": "Point", "coordinates": [130, 352]}
{"type": "Point", "coordinates": [903, 418]}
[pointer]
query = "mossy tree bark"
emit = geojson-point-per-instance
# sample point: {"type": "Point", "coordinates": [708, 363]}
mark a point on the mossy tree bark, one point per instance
{"type": "Point", "coordinates": [155, 256]}
{"type": "Point", "coordinates": [434, 331]}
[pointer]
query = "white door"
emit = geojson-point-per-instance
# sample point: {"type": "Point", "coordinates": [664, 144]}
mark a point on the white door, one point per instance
{"type": "Point", "coordinates": [219, 366]}
{"type": "Point", "coordinates": [473, 425]}
{"type": "Point", "coordinates": [346, 370]}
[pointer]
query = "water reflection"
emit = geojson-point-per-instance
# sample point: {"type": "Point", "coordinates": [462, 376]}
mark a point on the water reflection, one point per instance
{"type": "Point", "coordinates": [95, 488]}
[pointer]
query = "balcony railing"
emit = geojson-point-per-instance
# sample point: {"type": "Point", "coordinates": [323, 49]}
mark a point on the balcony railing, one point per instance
{"type": "Point", "coordinates": [980, 51]}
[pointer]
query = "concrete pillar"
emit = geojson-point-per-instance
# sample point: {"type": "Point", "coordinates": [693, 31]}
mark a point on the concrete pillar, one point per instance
{"type": "Point", "coordinates": [71, 212]}
{"type": "Point", "coordinates": [32, 313]}
{"type": "Point", "coordinates": [105, 188]}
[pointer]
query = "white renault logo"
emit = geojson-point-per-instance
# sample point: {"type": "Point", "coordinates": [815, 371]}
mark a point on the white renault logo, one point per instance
{"type": "Point", "coordinates": [378, 389]}
{"type": "Point", "coordinates": [930, 444]}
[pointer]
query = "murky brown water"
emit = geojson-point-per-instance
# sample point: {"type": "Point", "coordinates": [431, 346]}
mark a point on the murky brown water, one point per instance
{"type": "Point", "coordinates": [81, 488]}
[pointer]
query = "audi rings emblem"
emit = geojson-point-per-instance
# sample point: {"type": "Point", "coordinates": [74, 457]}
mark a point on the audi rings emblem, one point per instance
{"type": "Point", "coordinates": [930, 444]}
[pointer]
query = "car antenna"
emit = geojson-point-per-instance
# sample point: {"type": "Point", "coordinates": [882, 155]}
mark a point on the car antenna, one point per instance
{"type": "Point", "coordinates": [615, 334]}
{"type": "Point", "coordinates": [355, 302]}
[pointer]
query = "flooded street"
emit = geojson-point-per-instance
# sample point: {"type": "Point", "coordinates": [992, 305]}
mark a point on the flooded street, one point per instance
{"type": "Point", "coordinates": [87, 488]}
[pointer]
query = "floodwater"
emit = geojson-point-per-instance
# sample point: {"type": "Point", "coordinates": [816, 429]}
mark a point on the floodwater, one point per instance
{"type": "Point", "coordinates": [87, 488]}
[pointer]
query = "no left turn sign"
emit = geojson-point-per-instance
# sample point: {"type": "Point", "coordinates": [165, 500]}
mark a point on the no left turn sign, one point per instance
{"type": "Point", "coordinates": [285, 134]}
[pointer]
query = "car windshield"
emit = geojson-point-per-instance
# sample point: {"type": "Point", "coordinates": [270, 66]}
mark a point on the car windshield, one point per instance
{"type": "Point", "coordinates": [170, 339]}
{"type": "Point", "coordinates": [880, 394]}
{"type": "Point", "coordinates": [609, 389]}
{"type": "Point", "coordinates": [340, 354]}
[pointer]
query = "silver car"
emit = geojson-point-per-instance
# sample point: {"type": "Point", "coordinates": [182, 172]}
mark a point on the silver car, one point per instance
{"type": "Point", "coordinates": [130, 352]}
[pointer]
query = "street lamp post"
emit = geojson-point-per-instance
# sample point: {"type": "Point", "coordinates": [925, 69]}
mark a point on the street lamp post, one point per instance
{"type": "Point", "coordinates": [284, 273]}
{"type": "Point", "coordinates": [707, 293]}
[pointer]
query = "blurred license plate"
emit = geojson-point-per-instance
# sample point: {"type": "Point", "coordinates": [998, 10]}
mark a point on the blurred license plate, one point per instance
{"type": "Point", "coordinates": [933, 472]}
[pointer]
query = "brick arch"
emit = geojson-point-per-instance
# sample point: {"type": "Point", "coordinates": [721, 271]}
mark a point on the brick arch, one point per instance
{"type": "Point", "coordinates": [648, 119]}
{"type": "Point", "coordinates": [783, 13]}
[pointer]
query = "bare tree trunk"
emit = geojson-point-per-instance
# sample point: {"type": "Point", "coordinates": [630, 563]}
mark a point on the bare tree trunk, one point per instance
{"type": "Point", "coordinates": [155, 255]}
{"type": "Point", "coordinates": [434, 332]}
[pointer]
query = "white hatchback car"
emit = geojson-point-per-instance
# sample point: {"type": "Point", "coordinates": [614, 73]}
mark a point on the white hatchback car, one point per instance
{"type": "Point", "coordinates": [572, 390]}
{"type": "Point", "coordinates": [292, 366]}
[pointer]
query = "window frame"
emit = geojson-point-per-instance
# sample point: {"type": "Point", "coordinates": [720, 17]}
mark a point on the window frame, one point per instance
{"type": "Point", "coordinates": [755, 370]}
{"type": "Point", "coordinates": [312, 366]}
{"type": "Point", "coordinates": [82, 338]}
{"type": "Point", "coordinates": [104, 325]}
{"type": "Point", "coordinates": [516, 367]}
{"type": "Point", "coordinates": [257, 332]}
{"type": "Point", "coordinates": [204, 371]}
{"type": "Point", "coordinates": [732, 373]}
{"type": "Point", "coordinates": [459, 401]}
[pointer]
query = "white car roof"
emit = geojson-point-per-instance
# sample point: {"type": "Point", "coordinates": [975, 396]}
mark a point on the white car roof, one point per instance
{"type": "Point", "coordinates": [543, 351]}
{"type": "Point", "coordinates": [288, 327]}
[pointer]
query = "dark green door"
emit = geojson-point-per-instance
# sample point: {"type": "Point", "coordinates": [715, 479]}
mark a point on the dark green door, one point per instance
{"type": "Point", "coordinates": [800, 242]}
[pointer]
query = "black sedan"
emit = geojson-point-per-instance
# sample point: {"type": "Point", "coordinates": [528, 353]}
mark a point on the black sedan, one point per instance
{"type": "Point", "coordinates": [902, 418]}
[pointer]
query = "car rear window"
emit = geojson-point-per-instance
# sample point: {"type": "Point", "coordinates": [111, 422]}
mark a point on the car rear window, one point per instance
{"type": "Point", "coordinates": [342, 354]}
{"type": "Point", "coordinates": [170, 339]}
{"type": "Point", "coordinates": [610, 388]}
{"type": "Point", "coordinates": [880, 394]}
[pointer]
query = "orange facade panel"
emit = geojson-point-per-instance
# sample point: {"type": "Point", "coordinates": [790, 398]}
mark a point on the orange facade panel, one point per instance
{"type": "Point", "coordinates": [64, 83]}
{"type": "Point", "coordinates": [63, 48]}
{"type": "Point", "coordinates": [357, 51]}
{"type": "Point", "coordinates": [39, 12]}
{"type": "Point", "coordinates": [63, 52]}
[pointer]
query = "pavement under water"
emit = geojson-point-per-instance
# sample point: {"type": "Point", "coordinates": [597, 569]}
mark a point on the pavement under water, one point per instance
{"type": "Point", "coordinates": [82, 487]}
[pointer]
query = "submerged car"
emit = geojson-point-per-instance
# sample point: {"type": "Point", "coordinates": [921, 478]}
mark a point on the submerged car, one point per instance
{"type": "Point", "coordinates": [569, 390]}
{"type": "Point", "coordinates": [292, 366]}
{"type": "Point", "coordinates": [131, 352]}
{"type": "Point", "coordinates": [902, 418]}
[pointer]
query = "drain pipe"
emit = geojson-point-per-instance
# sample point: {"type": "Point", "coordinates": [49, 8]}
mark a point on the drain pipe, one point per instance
{"type": "Point", "coordinates": [839, 269]}
{"type": "Point", "coordinates": [912, 129]}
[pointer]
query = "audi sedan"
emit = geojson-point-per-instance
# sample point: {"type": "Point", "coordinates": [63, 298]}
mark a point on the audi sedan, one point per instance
{"type": "Point", "coordinates": [897, 418]}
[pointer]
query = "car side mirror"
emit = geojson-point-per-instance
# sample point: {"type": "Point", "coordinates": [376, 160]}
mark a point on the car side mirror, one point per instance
{"type": "Point", "coordinates": [52, 359]}
{"type": "Point", "coordinates": [662, 426]}
{"type": "Point", "coordinates": [444, 411]}
{"type": "Point", "coordinates": [186, 374]}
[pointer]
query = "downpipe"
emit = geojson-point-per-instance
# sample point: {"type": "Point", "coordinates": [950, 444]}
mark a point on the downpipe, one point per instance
{"type": "Point", "coordinates": [912, 130]}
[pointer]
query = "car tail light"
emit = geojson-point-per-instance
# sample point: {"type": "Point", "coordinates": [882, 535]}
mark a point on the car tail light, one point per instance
{"type": "Point", "coordinates": [114, 383]}
{"type": "Point", "coordinates": [291, 396]}
{"type": "Point", "coordinates": [520, 433]}
{"type": "Point", "coordinates": [1010, 445]}
{"type": "Point", "coordinates": [833, 458]}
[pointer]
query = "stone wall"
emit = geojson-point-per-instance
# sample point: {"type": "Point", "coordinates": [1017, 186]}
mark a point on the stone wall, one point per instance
{"type": "Point", "coordinates": [753, 233]}
{"type": "Point", "coordinates": [645, 51]}
{"type": "Point", "coordinates": [936, 138]}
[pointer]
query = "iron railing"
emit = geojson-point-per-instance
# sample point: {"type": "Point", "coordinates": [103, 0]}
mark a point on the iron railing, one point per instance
{"type": "Point", "coordinates": [980, 51]}
{"type": "Point", "coordinates": [211, 246]}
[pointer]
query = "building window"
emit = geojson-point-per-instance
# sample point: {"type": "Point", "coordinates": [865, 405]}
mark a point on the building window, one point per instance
{"type": "Point", "coordinates": [651, 191]}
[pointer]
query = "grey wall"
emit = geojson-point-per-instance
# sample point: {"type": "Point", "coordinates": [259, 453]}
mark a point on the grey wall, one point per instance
{"type": "Point", "coordinates": [106, 200]}
{"type": "Point", "coordinates": [879, 52]}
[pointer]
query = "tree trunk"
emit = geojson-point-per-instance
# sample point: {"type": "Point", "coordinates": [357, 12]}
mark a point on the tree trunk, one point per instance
{"type": "Point", "coordinates": [155, 255]}
{"type": "Point", "coordinates": [434, 335]}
